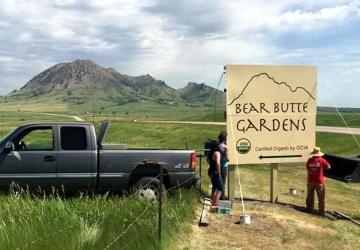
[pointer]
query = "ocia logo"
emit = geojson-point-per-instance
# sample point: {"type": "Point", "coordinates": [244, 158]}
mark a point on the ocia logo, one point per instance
{"type": "Point", "coordinates": [243, 146]}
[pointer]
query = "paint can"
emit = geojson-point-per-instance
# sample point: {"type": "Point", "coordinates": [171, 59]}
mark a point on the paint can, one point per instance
{"type": "Point", "coordinates": [292, 191]}
{"type": "Point", "coordinates": [245, 219]}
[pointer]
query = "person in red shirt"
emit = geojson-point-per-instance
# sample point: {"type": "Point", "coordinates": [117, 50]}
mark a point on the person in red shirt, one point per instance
{"type": "Point", "coordinates": [316, 166]}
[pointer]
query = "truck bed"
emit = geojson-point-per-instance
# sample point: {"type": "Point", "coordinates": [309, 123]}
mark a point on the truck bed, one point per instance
{"type": "Point", "coordinates": [117, 165]}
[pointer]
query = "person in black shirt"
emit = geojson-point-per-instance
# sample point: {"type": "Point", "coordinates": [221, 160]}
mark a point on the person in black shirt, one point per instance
{"type": "Point", "coordinates": [214, 172]}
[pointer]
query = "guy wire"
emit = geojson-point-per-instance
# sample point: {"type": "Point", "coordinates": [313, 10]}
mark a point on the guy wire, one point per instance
{"type": "Point", "coordinates": [216, 94]}
{"type": "Point", "coordinates": [237, 159]}
{"type": "Point", "coordinates": [342, 117]}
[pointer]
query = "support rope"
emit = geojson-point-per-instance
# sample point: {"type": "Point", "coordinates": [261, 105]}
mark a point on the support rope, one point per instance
{"type": "Point", "coordinates": [216, 94]}
{"type": "Point", "coordinates": [342, 117]}
{"type": "Point", "coordinates": [237, 159]}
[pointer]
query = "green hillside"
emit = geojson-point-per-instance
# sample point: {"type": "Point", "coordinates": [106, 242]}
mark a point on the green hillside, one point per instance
{"type": "Point", "coordinates": [83, 87]}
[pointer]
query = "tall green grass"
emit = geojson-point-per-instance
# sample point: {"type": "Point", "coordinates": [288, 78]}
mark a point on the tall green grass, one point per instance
{"type": "Point", "coordinates": [90, 222]}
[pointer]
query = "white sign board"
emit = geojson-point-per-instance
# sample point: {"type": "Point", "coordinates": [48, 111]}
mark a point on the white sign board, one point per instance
{"type": "Point", "coordinates": [271, 113]}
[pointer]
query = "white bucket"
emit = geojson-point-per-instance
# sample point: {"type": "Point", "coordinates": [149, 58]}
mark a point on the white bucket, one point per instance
{"type": "Point", "coordinates": [245, 219]}
{"type": "Point", "coordinates": [292, 191]}
{"type": "Point", "coordinates": [207, 201]}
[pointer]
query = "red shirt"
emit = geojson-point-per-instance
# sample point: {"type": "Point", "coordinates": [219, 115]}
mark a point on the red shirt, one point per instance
{"type": "Point", "coordinates": [315, 167]}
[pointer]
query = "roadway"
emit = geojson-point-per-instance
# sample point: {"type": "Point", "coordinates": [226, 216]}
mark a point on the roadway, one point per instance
{"type": "Point", "coordinates": [337, 130]}
{"type": "Point", "coordinates": [76, 118]}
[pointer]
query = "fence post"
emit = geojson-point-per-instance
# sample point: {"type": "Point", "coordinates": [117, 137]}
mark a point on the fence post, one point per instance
{"type": "Point", "coordinates": [200, 156]}
{"type": "Point", "coordinates": [160, 202]}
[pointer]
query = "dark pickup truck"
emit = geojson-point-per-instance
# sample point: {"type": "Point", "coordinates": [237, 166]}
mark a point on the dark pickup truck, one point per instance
{"type": "Point", "coordinates": [69, 156]}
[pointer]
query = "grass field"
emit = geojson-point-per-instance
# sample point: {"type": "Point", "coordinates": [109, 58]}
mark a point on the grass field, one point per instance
{"type": "Point", "coordinates": [157, 135]}
{"type": "Point", "coordinates": [148, 108]}
{"type": "Point", "coordinates": [153, 110]}
{"type": "Point", "coordinates": [94, 222]}
{"type": "Point", "coordinates": [35, 105]}
{"type": "Point", "coordinates": [352, 120]}
{"type": "Point", "coordinates": [10, 120]}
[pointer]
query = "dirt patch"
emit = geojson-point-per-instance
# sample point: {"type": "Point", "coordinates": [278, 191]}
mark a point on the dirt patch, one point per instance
{"type": "Point", "coordinates": [272, 227]}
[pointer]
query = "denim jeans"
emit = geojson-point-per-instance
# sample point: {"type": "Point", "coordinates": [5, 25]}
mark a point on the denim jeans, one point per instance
{"type": "Point", "coordinates": [217, 183]}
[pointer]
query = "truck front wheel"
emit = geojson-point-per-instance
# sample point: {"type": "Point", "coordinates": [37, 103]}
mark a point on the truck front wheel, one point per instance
{"type": "Point", "coordinates": [149, 188]}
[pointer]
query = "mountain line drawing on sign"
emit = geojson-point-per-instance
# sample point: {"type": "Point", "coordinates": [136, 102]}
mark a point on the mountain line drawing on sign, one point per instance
{"type": "Point", "coordinates": [273, 79]}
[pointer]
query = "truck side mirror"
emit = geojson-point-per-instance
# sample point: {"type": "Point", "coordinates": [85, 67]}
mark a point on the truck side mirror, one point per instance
{"type": "Point", "coordinates": [9, 146]}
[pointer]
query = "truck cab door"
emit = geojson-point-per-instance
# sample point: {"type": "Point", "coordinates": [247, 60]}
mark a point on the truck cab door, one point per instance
{"type": "Point", "coordinates": [77, 159]}
{"type": "Point", "coordinates": [31, 162]}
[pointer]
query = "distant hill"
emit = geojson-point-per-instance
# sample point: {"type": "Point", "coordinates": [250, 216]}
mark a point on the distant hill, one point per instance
{"type": "Point", "coordinates": [82, 83]}
{"type": "Point", "coordinates": [199, 92]}
{"type": "Point", "coordinates": [89, 77]}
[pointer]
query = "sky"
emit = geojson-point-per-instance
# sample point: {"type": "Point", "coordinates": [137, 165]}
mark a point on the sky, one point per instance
{"type": "Point", "coordinates": [183, 41]}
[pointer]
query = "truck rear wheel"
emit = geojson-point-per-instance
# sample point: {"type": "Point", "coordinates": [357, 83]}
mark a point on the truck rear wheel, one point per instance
{"type": "Point", "coordinates": [149, 188]}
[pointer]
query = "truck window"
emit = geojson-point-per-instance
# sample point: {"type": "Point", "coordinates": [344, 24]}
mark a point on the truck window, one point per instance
{"type": "Point", "coordinates": [39, 139]}
{"type": "Point", "coordinates": [73, 138]}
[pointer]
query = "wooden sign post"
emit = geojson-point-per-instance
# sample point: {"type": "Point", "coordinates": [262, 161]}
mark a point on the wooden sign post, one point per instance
{"type": "Point", "coordinates": [273, 182]}
{"type": "Point", "coordinates": [231, 183]}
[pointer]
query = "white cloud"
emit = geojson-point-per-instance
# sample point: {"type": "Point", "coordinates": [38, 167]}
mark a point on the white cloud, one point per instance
{"type": "Point", "coordinates": [302, 19]}
{"type": "Point", "coordinates": [176, 41]}
{"type": "Point", "coordinates": [4, 24]}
